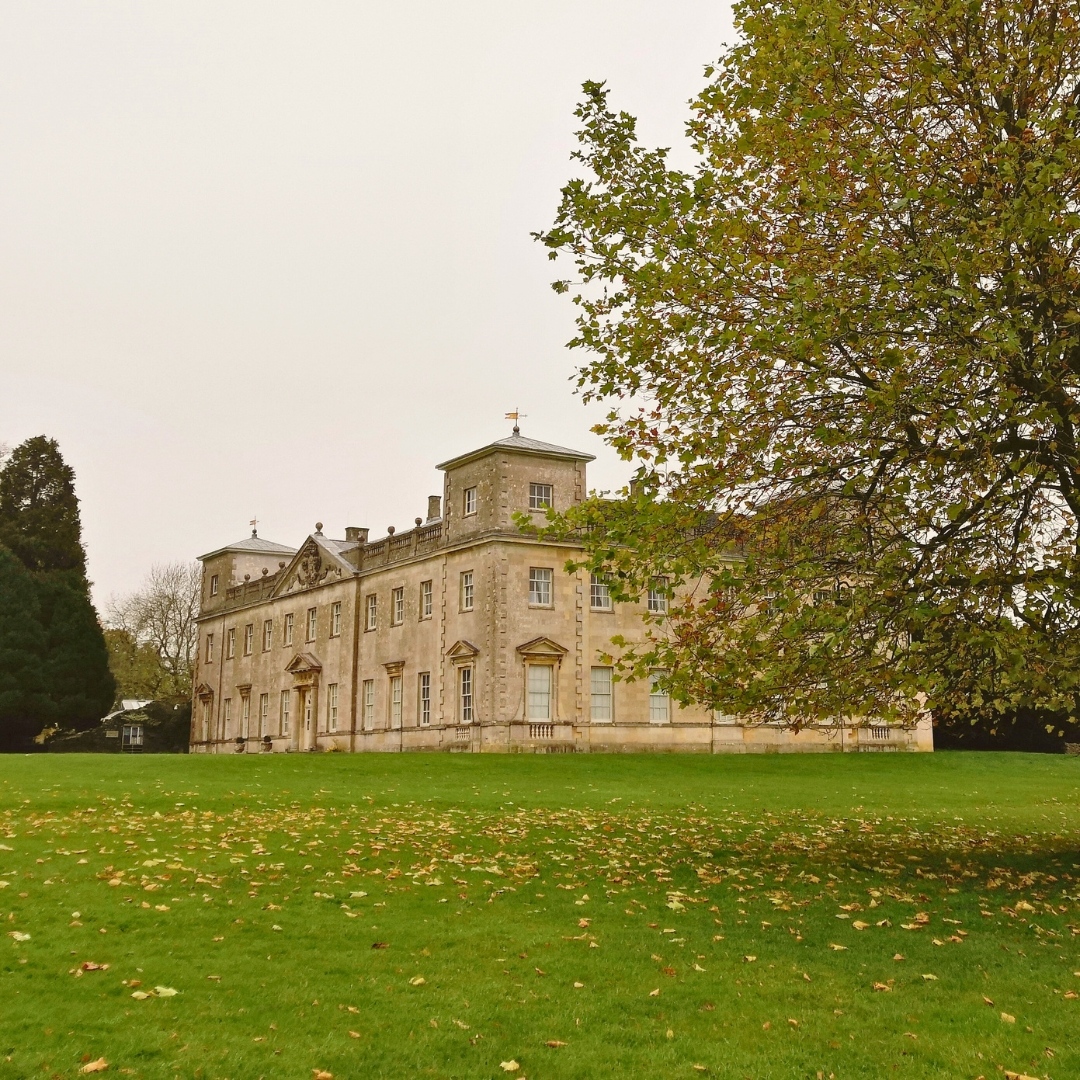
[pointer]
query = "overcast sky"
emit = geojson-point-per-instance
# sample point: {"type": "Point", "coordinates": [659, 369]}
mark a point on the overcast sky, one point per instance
{"type": "Point", "coordinates": [273, 259]}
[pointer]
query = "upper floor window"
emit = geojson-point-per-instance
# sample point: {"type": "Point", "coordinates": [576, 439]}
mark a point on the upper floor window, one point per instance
{"type": "Point", "coordinates": [288, 634]}
{"type": "Point", "coordinates": [268, 634]}
{"type": "Point", "coordinates": [397, 606]}
{"type": "Point", "coordinates": [335, 618]}
{"type": "Point", "coordinates": [657, 602]}
{"type": "Point", "coordinates": [209, 648]}
{"type": "Point", "coordinates": [599, 593]}
{"type": "Point", "coordinates": [467, 591]}
{"type": "Point", "coordinates": [230, 643]}
{"type": "Point", "coordinates": [469, 504]}
{"type": "Point", "coordinates": [249, 638]}
{"type": "Point", "coordinates": [540, 496]}
{"type": "Point", "coordinates": [213, 584]}
{"type": "Point", "coordinates": [372, 612]}
{"type": "Point", "coordinates": [540, 586]}
{"type": "Point", "coordinates": [312, 623]}
{"type": "Point", "coordinates": [425, 600]}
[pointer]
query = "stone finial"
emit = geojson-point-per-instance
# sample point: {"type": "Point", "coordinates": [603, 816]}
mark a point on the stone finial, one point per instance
{"type": "Point", "coordinates": [247, 577]}
{"type": "Point", "coordinates": [418, 521]}
{"type": "Point", "coordinates": [318, 528]}
{"type": "Point", "coordinates": [281, 565]}
{"type": "Point", "coordinates": [390, 530]}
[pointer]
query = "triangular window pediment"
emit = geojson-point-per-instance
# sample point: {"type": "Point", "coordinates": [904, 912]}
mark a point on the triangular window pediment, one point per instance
{"type": "Point", "coordinates": [303, 662]}
{"type": "Point", "coordinates": [542, 647]}
{"type": "Point", "coordinates": [462, 650]}
{"type": "Point", "coordinates": [203, 691]}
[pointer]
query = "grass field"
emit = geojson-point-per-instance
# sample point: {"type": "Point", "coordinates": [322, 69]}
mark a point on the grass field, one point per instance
{"type": "Point", "coordinates": [578, 916]}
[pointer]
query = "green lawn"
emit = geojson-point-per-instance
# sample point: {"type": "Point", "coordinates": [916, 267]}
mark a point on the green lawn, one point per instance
{"type": "Point", "coordinates": [582, 916]}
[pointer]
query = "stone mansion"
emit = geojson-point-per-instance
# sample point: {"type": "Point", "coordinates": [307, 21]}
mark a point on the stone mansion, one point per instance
{"type": "Point", "coordinates": [462, 634]}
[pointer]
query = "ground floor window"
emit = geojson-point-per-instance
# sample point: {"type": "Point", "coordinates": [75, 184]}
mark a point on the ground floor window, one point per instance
{"type": "Point", "coordinates": [395, 701]}
{"type": "Point", "coordinates": [465, 695]}
{"type": "Point", "coordinates": [539, 691]}
{"type": "Point", "coordinates": [264, 715]}
{"type": "Point", "coordinates": [425, 698]}
{"type": "Point", "coordinates": [226, 717]}
{"type": "Point", "coordinates": [369, 704]}
{"type": "Point", "coordinates": [659, 701]}
{"type": "Point", "coordinates": [601, 693]}
{"type": "Point", "coordinates": [245, 712]}
{"type": "Point", "coordinates": [286, 701]}
{"type": "Point", "coordinates": [332, 706]}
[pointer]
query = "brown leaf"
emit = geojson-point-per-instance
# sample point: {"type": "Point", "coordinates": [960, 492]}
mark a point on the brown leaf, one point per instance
{"type": "Point", "coordinates": [1007, 1019]}
{"type": "Point", "coordinates": [354, 1034]}
{"type": "Point", "coordinates": [555, 1044]}
{"type": "Point", "coordinates": [321, 1074]}
{"type": "Point", "coordinates": [380, 945]}
{"type": "Point", "coordinates": [882, 986]}
{"type": "Point", "coordinates": [989, 1001]}
{"type": "Point", "coordinates": [95, 1066]}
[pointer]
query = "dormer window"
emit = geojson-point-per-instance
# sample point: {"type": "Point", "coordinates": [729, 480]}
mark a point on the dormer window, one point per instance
{"type": "Point", "coordinates": [540, 497]}
{"type": "Point", "coordinates": [469, 504]}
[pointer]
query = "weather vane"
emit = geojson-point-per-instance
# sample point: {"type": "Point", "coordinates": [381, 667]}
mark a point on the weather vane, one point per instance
{"type": "Point", "coordinates": [254, 526]}
{"type": "Point", "coordinates": [516, 415]}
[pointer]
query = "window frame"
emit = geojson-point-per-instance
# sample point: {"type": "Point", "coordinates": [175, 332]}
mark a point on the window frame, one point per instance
{"type": "Point", "coordinates": [657, 695]}
{"type": "Point", "coordinates": [288, 630]}
{"type": "Point", "coordinates": [335, 619]}
{"type": "Point", "coordinates": [599, 588]}
{"type": "Point", "coordinates": [530, 692]}
{"type": "Point", "coordinates": [311, 624]}
{"type": "Point", "coordinates": [213, 584]}
{"type": "Point", "coordinates": [538, 500]}
{"type": "Point", "coordinates": [395, 701]}
{"type": "Point", "coordinates": [469, 501]}
{"type": "Point", "coordinates": [245, 714]}
{"type": "Point", "coordinates": [536, 578]}
{"type": "Point", "coordinates": [371, 612]}
{"type": "Point", "coordinates": [427, 599]}
{"type": "Point", "coordinates": [367, 690]}
{"type": "Point", "coordinates": [226, 716]}
{"type": "Point", "coordinates": [230, 643]}
{"type": "Point", "coordinates": [209, 653]}
{"type": "Point", "coordinates": [656, 602]}
{"type": "Point", "coordinates": [249, 638]}
{"type": "Point", "coordinates": [332, 706]}
{"type": "Point", "coordinates": [284, 709]}
{"type": "Point", "coordinates": [423, 691]}
{"type": "Point", "coordinates": [466, 591]}
{"type": "Point", "coordinates": [466, 687]}
{"type": "Point", "coordinates": [397, 606]}
{"type": "Point", "coordinates": [609, 694]}
{"type": "Point", "coordinates": [268, 635]}
{"type": "Point", "coordinates": [264, 715]}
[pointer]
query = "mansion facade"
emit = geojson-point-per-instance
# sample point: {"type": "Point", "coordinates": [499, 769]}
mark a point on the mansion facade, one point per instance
{"type": "Point", "coordinates": [463, 633]}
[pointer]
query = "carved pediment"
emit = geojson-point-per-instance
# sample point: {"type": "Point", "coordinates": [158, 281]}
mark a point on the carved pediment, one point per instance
{"type": "Point", "coordinates": [462, 650]}
{"type": "Point", "coordinates": [542, 648]}
{"type": "Point", "coordinates": [204, 691]}
{"type": "Point", "coordinates": [302, 663]}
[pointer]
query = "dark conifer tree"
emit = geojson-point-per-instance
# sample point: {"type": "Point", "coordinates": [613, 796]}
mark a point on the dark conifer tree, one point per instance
{"type": "Point", "coordinates": [23, 705]}
{"type": "Point", "coordinates": [39, 513]}
{"type": "Point", "coordinates": [79, 686]}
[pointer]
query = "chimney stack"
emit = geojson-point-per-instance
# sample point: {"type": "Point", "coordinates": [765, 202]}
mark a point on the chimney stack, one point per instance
{"type": "Point", "coordinates": [355, 535]}
{"type": "Point", "coordinates": [434, 507]}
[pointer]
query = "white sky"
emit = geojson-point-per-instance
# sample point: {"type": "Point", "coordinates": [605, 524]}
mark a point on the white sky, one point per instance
{"type": "Point", "coordinates": [274, 259]}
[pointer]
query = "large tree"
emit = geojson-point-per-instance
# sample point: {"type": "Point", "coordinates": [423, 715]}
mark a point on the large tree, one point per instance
{"type": "Point", "coordinates": [152, 635]}
{"type": "Point", "coordinates": [845, 347]}
{"type": "Point", "coordinates": [24, 706]}
{"type": "Point", "coordinates": [39, 512]}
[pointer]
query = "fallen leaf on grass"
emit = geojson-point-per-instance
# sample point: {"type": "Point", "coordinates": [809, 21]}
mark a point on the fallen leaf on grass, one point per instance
{"type": "Point", "coordinates": [766, 1026]}
{"type": "Point", "coordinates": [898, 956]}
{"type": "Point", "coordinates": [1007, 1019]}
{"type": "Point", "coordinates": [95, 1066]}
{"type": "Point", "coordinates": [837, 948]}
{"type": "Point", "coordinates": [89, 965]}
{"type": "Point", "coordinates": [380, 944]}
{"type": "Point", "coordinates": [749, 959]}
{"type": "Point", "coordinates": [354, 1034]}
{"type": "Point", "coordinates": [140, 995]}
{"type": "Point", "coordinates": [509, 1066]}
{"type": "Point", "coordinates": [165, 991]}
{"type": "Point", "coordinates": [321, 1074]}
{"type": "Point", "coordinates": [1010, 1075]}
{"type": "Point", "coordinates": [555, 1044]}
{"type": "Point", "coordinates": [18, 935]}
{"type": "Point", "coordinates": [882, 986]}
{"type": "Point", "coordinates": [655, 993]}
{"type": "Point", "coordinates": [858, 925]}
{"type": "Point", "coordinates": [1070, 995]}
{"type": "Point", "coordinates": [461, 1024]}
{"type": "Point", "coordinates": [793, 1023]}
{"type": "Point", "coordinates": [417, 980]}
{"type": "Point", "coordinates": [988, 1001]}
{"type": "Point", "coordinates": [579, 985]}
